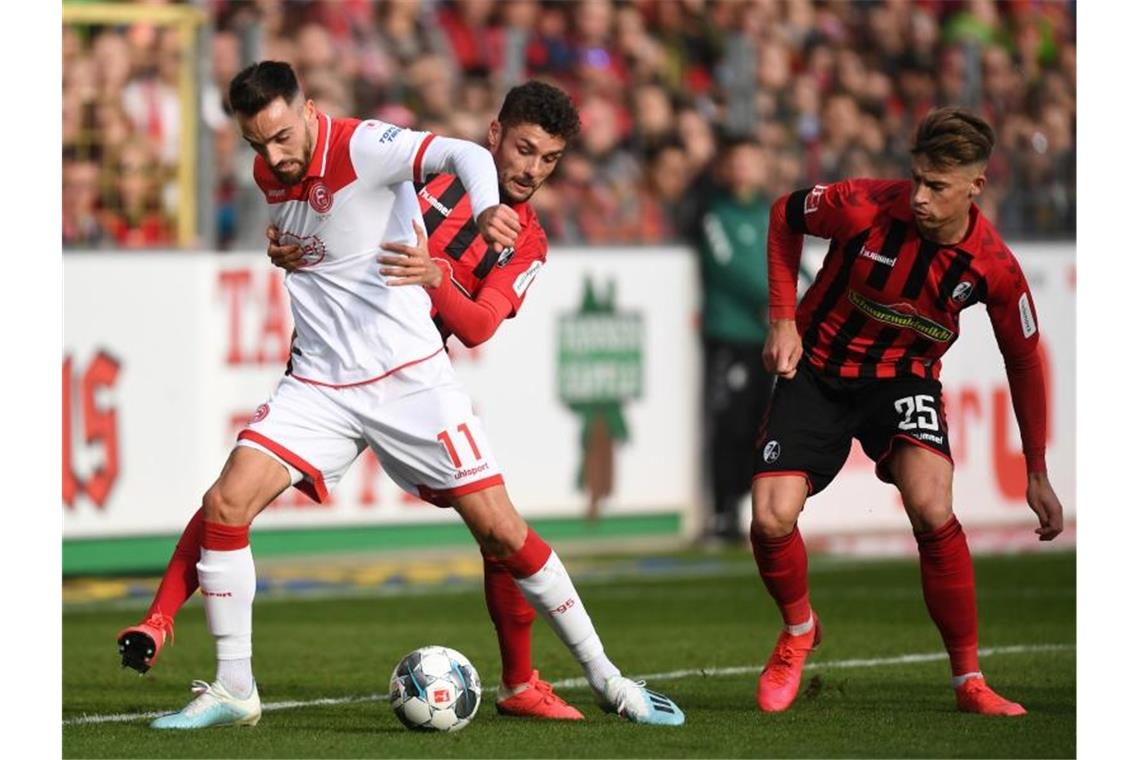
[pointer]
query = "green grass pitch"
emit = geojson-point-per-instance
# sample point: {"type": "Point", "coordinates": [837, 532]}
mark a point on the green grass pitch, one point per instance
{"type": "Point", "coordinates": [870, 692]}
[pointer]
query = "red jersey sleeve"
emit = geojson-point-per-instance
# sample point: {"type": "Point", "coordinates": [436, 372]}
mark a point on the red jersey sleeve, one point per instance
{"type": "Point", "coordinates": [472, 320]}
{"type": "Point", "coordinates": [514, 278]}
{"type": "Point", "coordinates": [839, 210]}
{"type": "Point", "coordinates": [1014, 319]}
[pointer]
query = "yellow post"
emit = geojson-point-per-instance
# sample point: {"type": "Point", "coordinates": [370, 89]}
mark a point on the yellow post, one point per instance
{"type": "Point", "coordinates": [186, 20]}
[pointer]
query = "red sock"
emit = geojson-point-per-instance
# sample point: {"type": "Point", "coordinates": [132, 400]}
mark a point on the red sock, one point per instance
{"type": "Point", "coordinates": [181, 578]}
{"type": "Point", "coordinates": [948, 587]}
{"type": "Point", "coordinates": [782, 563]}
{"type": "Point", "coordinates": [513, 617]}
{"type": "Point", "coordinates": [529, 559]}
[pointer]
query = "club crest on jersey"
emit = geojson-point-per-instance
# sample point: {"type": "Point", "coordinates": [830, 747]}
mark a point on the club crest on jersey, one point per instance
{"type": "Point", "coordinates": [261, 413]}
{"type": "Point", "coordinates": [313, 249]}
{"type": "Point", "coordinates": [506, 256]}
{"type": "Point", "coordinates": [812, 201]}
{"type": "Point", "coordinates": [962, 291]}
{"type": "Point", "coordinates": [320, 198]}
{"type": "Point", "coordinates": [771, 451]}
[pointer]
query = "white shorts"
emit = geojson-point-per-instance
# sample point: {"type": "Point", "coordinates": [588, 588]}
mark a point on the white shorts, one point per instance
{"type": "Point", "coordinates": [418, 420]}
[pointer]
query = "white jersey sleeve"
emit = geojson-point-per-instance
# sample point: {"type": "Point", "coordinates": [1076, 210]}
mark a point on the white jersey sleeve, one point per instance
{"type": "Point", "coordinates": [384, 154]}
{"type": "Point", "coordinates": [472, 163]}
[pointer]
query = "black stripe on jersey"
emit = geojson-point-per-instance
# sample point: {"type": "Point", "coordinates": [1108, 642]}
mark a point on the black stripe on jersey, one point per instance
{"type": "Point", "coordinates": [794, 211]}
{"type": "Point", "coordinates": [489, 259]}
{"type": "Point", "coordinates": [952, 276]}
{"type": "Point", "coordinates": [835, 289]}
{"type": "Point", "coordinates": [891, 245]}
{"type": "Point", "coordinates": [920, 269]}
{"type": "Point", "coordinates": [850, 328]}
{"type": "Point", "coordinates": [884, 340]}
{"type": "Point", "coordinates": [459, 244]}
{"type": "Point", "coordinates": [915, 352]}
{"type": "Point", "coordinates": [448, 199]}
{"type": "Point", "coordinates": [981, 290]}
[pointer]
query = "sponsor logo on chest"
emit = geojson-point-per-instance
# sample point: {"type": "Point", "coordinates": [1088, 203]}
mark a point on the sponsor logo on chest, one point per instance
{"type": "Point", "coordinates": [434, 202]}
{"type": "Point", "coordinates": [877, 257]}
{"type": "Point", "coordinates": [903, 315]}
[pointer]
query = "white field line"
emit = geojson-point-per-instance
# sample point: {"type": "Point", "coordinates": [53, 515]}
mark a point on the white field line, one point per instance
{"type": "Point", "coordinates": [575, 683]}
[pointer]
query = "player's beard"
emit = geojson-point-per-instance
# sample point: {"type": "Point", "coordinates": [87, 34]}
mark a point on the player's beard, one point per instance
{"type": "Point", "coordinates": [292, 178]}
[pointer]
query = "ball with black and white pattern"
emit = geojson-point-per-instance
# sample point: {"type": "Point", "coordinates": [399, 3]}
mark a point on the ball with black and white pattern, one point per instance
{"type": "Point", "coordinates": [435, 688]}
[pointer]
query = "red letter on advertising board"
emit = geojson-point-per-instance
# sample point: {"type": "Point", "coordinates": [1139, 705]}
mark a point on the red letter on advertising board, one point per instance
{"type": "Point", "coordinates": [236, 285]}
{"type": "Point", "coordinates": [99, 424]}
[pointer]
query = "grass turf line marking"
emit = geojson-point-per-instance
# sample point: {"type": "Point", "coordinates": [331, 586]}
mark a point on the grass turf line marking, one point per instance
{"type": "Point", "coordinates": [572, 683]}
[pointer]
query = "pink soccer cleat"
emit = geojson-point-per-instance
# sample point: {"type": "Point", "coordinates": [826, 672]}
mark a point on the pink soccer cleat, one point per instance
{"type": "Point", "coordinates": [140, 644]}
{"type": "Point", "coordinates": [537, 700]}
{"type": "Point", "coordinates": [779, 681]}
{"type": "Point", "coordinates": [975, 697]}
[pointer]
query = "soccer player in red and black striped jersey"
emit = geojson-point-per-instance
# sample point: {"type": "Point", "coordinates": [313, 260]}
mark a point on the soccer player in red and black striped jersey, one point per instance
{"type": "Point", "coordinates": [859, 358]}
{"type": "Point", "coordinates": [473, 288]}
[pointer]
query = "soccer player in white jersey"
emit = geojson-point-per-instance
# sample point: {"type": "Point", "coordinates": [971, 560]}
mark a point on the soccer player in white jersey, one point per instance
{"type": "Point", "coordinates": [367, 369]}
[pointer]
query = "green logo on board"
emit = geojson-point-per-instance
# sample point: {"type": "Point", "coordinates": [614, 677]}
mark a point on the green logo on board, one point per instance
{"type": "Point", "coordinates": [600, 367]}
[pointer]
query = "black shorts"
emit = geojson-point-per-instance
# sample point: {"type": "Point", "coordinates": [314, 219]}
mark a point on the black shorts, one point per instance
{"type": "Point", "coordinates": [813, 418]}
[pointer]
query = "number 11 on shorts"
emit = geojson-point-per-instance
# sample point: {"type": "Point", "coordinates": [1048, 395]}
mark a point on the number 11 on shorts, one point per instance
{"type": "Point", "coordinates": [445, 438]}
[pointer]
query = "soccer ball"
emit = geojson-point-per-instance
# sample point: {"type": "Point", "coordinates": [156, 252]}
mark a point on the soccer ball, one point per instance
{"type": "Point", "coordinates": [434, 689]}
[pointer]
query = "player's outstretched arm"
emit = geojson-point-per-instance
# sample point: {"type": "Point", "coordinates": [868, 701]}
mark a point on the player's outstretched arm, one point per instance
{"type": "Point", "coordinates": [1014, 319]}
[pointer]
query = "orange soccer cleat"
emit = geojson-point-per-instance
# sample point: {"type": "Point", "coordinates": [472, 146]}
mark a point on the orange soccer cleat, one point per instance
{"type": "Point", "coordinates": [140, 644]}
{"type": "Point", "coordinates": [975, 697]}
{"type": "Point", "coordinates": [779, 681]}
{"type": "Point", "coordinates": [537, 700]}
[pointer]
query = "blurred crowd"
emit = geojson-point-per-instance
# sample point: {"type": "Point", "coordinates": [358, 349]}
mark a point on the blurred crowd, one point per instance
{"type": "Point", "coordinates": [827, 89]}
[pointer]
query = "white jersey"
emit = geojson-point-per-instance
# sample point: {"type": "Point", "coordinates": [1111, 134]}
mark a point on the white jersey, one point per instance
{"type": "Point", "coordinates": [352, 328]}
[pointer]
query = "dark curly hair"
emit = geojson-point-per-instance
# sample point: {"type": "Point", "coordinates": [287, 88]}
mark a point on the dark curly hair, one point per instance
{"type": "Point", "coordinates": [542, 104]}
{"type": "Point", "coordinates": [953, 137]}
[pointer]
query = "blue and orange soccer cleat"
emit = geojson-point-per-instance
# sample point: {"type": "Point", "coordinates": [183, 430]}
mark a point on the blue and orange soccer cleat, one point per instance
{"type": "Point", "coordinates": [537, 700]}
{"type": "Point", "coordinates": [140, 644]}
{"type": "Point", "coordinates": [779, 681]}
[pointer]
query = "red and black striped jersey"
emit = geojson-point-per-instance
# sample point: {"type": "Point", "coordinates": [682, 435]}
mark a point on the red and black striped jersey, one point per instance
{"type": "Point", "coordinates": [886, 302]}
{"type": "Point", "coordinates": [453, 233]}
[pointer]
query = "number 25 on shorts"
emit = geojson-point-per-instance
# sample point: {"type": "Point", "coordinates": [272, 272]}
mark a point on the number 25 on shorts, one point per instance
{"type": "Point", "coordinates": [445, 438]}
{"type": "Point", "coordinates": [927, 417]}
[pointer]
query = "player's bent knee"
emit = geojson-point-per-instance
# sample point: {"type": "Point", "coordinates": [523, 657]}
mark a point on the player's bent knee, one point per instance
{"type": "Point", "coordinates": [221, 509]}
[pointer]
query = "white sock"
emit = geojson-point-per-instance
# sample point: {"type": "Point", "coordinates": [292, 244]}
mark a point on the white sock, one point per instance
{"type": "Point", "coordinates": [799, 629]}
{"type": "Point", "coordinates": [552, 593]}
{"type": "Point", "coordinates": [236, 676]}
{"type": "Point", "coordinates": [229, 580]}
{"type": "Point", "coordinates": [959, 680]}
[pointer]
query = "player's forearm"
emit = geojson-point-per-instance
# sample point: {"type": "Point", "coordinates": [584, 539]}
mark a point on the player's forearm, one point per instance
{"type": "Point", "coordinates": [785, 248]}
{"type": "Point", "coordinates": [1027, 392]}
{"type": "Point", "coordinates": [472, 321]}
{"type": "Point", "coordinates": [471, 163]}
